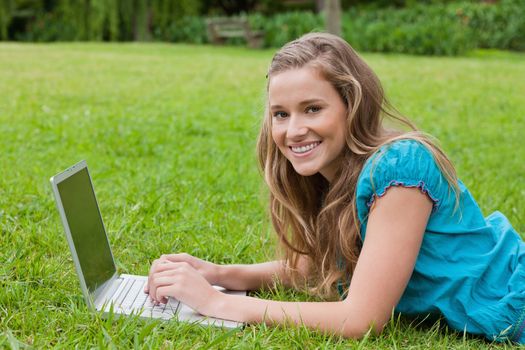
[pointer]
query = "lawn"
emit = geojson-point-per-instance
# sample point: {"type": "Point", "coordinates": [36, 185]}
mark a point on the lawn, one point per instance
{"type": "Point", "coordinates": [169, 134]}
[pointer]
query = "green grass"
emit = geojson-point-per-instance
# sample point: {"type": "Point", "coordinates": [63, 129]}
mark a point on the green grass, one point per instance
{"type": "Point", "coordinates": [169, 134]}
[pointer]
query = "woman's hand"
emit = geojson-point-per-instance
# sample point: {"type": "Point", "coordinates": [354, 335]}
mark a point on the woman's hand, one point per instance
{"type": "Point", "coordinates": [183, 282]}
{"type": "Point", "coordinates": [235, 277]}
{"type": "Point", "coordinates": [208, 270]}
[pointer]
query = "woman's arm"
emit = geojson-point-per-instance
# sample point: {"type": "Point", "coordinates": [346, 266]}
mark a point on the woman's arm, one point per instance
{"type": "Point", "coordinates": [238, 277]}
{"type": "Point", "coordinates": [255, 276]}
{"type": "Point", "coordinates": [395, 230]}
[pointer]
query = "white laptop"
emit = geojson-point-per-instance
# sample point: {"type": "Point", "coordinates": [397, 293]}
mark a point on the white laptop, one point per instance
{"type": "Point", "coordinates": [103, 288]}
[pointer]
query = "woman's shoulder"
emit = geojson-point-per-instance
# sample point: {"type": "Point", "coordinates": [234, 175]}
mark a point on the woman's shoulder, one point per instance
{"type": "Point", "coordinates": [403, 158]}
{"type": "Point", "coordinates": [406, 163]}
{"type": "Point", "coordinates": [400, 152]}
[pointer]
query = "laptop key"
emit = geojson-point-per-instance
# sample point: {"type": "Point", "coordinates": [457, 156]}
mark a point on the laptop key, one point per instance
{"type": "Point", "coordinates": [126, 285]}
{"type": "Point", "coordinates": [172, 306]}
{"type": "Point", "coordinates": [141, 300]}
{"type": "Point", "coordinates": [133, 292]}
{"type": "Point", "coordinates": [149, 305]}
{"type": "Point", "coordinates": [152, 313]}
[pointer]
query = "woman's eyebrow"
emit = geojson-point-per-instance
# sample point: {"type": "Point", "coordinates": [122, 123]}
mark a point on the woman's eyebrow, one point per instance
{"type": "Point", "coordinates": [276, 107]}
{"type": "Point", "coordinates": [312, 100]}
{"type": "Point", "coordinates": [302, 103]}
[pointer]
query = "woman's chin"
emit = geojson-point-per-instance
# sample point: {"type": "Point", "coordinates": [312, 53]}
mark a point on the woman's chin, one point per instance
{"type": "Point", "coordinates": [303, 171]}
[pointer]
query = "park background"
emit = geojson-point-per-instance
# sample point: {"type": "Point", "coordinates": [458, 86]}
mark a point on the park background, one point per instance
{"type": "Point", "coordinates": [168, 122]}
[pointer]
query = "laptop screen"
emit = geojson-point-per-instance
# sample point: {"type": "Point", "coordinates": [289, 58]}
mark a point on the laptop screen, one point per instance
{"type": "Point", "coordinates": [87, 230]}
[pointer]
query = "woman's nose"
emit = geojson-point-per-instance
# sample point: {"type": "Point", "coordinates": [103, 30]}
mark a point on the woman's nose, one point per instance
{"type": "Point", "coordinates": [296, 127]}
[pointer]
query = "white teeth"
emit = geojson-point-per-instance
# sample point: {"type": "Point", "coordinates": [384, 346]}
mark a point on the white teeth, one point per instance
{"type": "Point", "coordinates": [306, 148]}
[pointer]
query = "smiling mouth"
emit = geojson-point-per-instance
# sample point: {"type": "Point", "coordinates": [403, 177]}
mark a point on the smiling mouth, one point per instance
{"type": "Point", "coordinates": [305, 148]}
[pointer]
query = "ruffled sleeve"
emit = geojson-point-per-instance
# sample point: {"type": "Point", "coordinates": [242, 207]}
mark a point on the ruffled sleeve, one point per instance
{"type": "Point", "coordinates": [406, 163]}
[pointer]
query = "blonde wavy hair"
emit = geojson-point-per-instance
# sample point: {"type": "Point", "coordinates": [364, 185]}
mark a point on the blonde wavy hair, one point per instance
{"type": "Point", "coordinates": [314, 218]}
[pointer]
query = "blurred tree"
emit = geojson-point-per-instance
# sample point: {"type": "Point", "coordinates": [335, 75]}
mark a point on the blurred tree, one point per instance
{"type": "Point", "coordinates": [125, 19]}
{"type": "Point", "coordinates": [6, 9]}
{"type": "Point", "coordinates": [345, 4]}
{"type": "Point", "coordinates": [319, 5]}
{"type": "Point", "coordinates": [141, 23]}
{"type": "Point", "coordinates": [90, 19]}
{"type": "Point", "coordinates": [143, 19]}
{"type": "Point", "coordinates": [332, 10]}
{"type": "Point", "coordinates": [17, 13]}
{"type": "Point", "coordinates": [164, 13]}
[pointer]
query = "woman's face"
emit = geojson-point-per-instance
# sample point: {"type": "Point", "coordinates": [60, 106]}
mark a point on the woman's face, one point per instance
{"type": "Point", "coordinates": [308, 121]}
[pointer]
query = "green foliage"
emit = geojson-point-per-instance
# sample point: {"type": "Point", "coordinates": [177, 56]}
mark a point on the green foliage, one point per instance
{"type": "Point", "coordinates": [125, 18]}
{"type": "Point", "coordinates": [500, 26]}
{"type": "Point", "coordinates": [430, 27]}
{"type": "Point", "coordinates": [438, 29]}
{"type": "Point", "coordinates": [72, 20]}
{"type": "Point", "coordinates": [50, 27]}
{"type": "Point", "coordinates": [284, 27]}
{"type": "Point", "coordinates": [6, 9]}
{"type": "Point", "coordinates": [278, 29]}
{"type": "Point", "coordinates": [427, 30]}
{"type": "Point", "coordinates": [141, 19]}
{"type": "Point", "coordinates": [110, 20]}
{"type": "Point", "coordinates": [178, 21]}
{"type": "Point", "coordinates": [102, 20]}
{"type": "Point", "coordinates": [188, 29]}
{"type": "Point", "coordinates": [169, 134]}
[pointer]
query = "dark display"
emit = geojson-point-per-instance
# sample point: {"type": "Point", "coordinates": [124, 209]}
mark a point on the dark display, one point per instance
{"type": "Point", "coordinates": [87, 229]}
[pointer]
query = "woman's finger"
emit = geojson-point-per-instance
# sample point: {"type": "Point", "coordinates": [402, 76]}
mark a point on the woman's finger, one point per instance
{"type": "Point", "coordinates": [150, 285]}
{"type": "Point", "coordinates": [179, 257]}
{"type": "Point", "coordinates": [164, 292]}
{"type": "Point", "coordinates": [168, 281]}
{"type": "Point", "coordinates": [163, 264]}
{"type": "Point", "coordinates": [163, 281]}
{"type": "Point", "coordinates": [166, 273]}
{"type": "Point", "coordinates": [163, 278]}
{"type": "Point", "coordinates": [151, 270]}
{"type": "Point", "coordinates": [165, 270]}
{"type": "Point", "coordinates": [154, 268]}
{"type": "Point", "coordinates": [167, 265]}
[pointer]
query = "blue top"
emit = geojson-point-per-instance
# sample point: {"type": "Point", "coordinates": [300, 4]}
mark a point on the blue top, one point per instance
{"type": "Point", "coordinates": [470, 269]}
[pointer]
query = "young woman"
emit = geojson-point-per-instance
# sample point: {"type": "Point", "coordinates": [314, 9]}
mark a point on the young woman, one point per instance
{"type": "Point", "coordinates": [373, 214]}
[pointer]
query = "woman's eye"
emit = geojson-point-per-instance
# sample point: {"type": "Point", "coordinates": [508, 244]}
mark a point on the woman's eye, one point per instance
{"type": "Point", "coordinates": [280, 115]}
{"type": "Point", "coordinates": [313, 109]}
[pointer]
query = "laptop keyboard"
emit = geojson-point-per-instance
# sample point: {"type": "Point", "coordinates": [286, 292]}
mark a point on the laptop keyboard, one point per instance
{"type": "Point", "coordinates": [130, 298]}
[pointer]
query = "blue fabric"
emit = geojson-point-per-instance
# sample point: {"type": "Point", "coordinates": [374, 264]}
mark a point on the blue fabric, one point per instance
{"type": "Point", "coordinates": [470, 269]}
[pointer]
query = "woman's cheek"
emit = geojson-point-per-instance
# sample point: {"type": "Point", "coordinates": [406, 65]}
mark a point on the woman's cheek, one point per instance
{"type": "Point", "coordinates": [278, 135]}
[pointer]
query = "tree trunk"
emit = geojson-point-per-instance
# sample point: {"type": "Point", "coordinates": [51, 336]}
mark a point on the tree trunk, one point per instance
{"type": "Point", "coordinates": [332, 10]}
{"type": "Point", "coordinates": [141, 26]}
{"type": "Point", "coordinates": [319, 6]}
